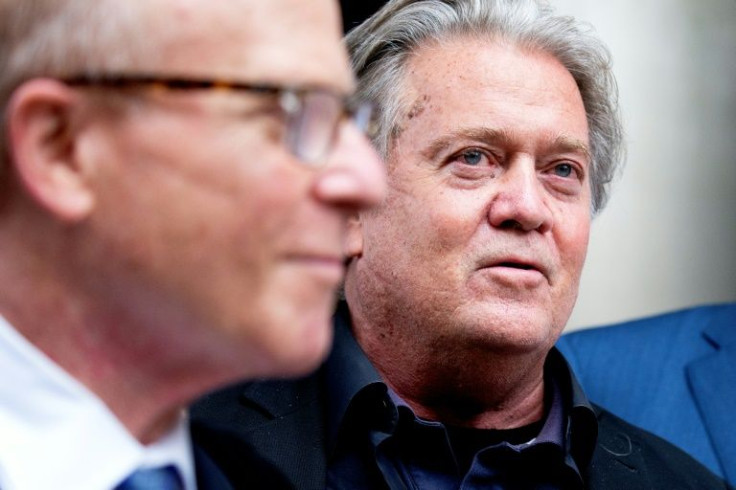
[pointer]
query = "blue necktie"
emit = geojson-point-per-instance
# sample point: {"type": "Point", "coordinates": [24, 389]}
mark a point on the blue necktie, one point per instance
{"type": "Point", "coordinates": [163, 478]}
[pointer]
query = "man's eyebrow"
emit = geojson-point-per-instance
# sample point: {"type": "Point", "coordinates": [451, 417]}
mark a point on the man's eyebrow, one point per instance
{"type": "Point", "coordinates": [486, 135]}
{"type": "Point", "coordinates": [565, 144]}
{"type": "Point", "coordinates": [562, 144]}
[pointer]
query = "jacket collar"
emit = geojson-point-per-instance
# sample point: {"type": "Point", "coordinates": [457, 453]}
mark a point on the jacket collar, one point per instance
{"type": "Point", "coordinates": [712, 380]}
{"type": "Point", "coordinates": [347, 371]}
{"type": "Point", "coordinates": [720, 328]}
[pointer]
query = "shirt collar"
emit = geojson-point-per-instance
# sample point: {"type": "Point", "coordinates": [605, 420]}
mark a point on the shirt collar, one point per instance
{"type": "Point", "coordinates": [348, 371]}
{"type": "Point", "coordinates": [581, 431]}
{"type": "Point", "coordinates": [48, 416]}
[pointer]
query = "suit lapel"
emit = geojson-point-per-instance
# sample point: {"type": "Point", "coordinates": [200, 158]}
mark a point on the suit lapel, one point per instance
{"type": "Point", "coordinates": [713, 383]}
{"type": "Point", "coordinates": [264, 435]}
{"type": "Point", "coordinates": [617, 463]}
{"type": "Point", "coordinates": [291, 437]}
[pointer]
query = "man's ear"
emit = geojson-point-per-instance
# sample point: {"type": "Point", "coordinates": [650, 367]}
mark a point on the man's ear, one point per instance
{"type": "Point", "coordinates": [42, 137]}
{"type": "Point", "coordinates": [353, 246]}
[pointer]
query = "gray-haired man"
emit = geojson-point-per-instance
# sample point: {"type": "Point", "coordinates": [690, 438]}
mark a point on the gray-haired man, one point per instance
{"type": "Point", "coordinates": [499, 126]}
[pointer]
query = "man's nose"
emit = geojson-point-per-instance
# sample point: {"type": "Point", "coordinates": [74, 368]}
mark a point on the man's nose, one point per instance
{"type": "Point", "coordinates": [355, 176]}
{"type": "Point", "coordinates": [520, 199]}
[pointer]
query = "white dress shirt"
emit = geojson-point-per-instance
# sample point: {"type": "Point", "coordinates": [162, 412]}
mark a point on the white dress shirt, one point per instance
{"type": "Point", "coordinates": [56, 434]}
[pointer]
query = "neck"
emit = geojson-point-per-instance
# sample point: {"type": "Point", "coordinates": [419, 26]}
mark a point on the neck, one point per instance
{"type": "Point", "coordinates": [460, 382]}
{"type": "Point", "coordinates": [144, 363]}
{"type": "Point", "coordinates": [138, 381]}
{"type": "Point", "coordinates": [469, 390]}
{"type": "Point", "coordinates": [474, 403]}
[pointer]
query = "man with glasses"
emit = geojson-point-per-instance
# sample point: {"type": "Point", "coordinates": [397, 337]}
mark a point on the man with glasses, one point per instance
{"type": "Point", "coordinates": [175, 182]}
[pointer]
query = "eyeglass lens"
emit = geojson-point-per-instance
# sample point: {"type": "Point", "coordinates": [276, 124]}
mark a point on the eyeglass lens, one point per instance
{"type": "Point", "coordinates": [312, 129]}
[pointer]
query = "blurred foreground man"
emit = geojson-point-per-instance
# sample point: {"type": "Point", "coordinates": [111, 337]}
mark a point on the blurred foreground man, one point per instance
{"type": "Point", "coordinates": [175, 182]}
{"type": "Point", "coordinates": [499, 125]}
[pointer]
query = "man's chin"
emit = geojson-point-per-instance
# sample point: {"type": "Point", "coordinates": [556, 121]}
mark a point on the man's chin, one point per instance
{"type": "Point", "coordinates": [511, 328]}
{"type": "Point", "coordinates": [303, 348]}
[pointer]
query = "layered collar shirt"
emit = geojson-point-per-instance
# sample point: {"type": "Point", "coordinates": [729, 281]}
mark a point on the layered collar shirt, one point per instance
{"type": "Point", "coordinates": [376, 441]}
{"type": "Point", "coordinates": [55, 433]}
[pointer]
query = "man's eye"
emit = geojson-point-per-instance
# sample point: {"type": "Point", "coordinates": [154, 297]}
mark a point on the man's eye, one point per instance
{"type": "Point", "coordinates": [472, 157]}
{"type": "Point", "coordinates": [563, 170]}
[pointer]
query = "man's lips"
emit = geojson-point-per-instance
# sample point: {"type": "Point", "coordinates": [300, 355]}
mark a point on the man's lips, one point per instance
{"type": "Point", "coordinates": [516, 263]}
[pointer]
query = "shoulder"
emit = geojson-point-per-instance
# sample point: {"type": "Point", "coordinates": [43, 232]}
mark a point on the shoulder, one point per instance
{"type": "Point", "coordinates": [685, 322]}
{"type": "Point", "coordinates": [244, 405]}
{"type": "Point", "coordinates": [257, 432]}
{"type": "Point", "coordinates": [642, 339]}
{"type": "Point", "coordinates": [628, 452]}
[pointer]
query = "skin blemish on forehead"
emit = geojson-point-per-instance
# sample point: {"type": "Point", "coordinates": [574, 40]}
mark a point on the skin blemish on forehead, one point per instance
{"type": "Point", "coordinates": [420, 105]}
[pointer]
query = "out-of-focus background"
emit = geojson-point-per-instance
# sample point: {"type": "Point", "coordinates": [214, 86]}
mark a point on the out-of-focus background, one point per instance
{"type": "Point", "coordinates": [667, 238]}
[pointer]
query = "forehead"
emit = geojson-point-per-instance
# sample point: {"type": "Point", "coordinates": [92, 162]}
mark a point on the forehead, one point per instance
{"type": "Point", "coordinates": [486, 83]}
{"type": "Point", "coordinates": [284, 41]}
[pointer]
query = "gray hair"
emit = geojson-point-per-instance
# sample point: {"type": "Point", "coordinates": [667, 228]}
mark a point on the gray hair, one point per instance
{"type": "Point", "coordinates": [57, 38]}
{"type": "Point", "coordinates": [381, 47]}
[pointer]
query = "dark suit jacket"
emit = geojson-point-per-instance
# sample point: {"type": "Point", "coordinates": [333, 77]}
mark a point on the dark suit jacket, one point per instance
{"type": "Point", "coordinates": [273, 435]}
{"type": "Point", "coordinates": [209, 475]}
{"type": "Point", "coordinates": [672, 374]}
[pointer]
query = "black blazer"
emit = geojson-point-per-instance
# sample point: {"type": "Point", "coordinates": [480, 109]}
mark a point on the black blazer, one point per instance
{"type": "Point", "coordinates": [272, 435]}
{"type": "Point", "coordinates": [209, 475]}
